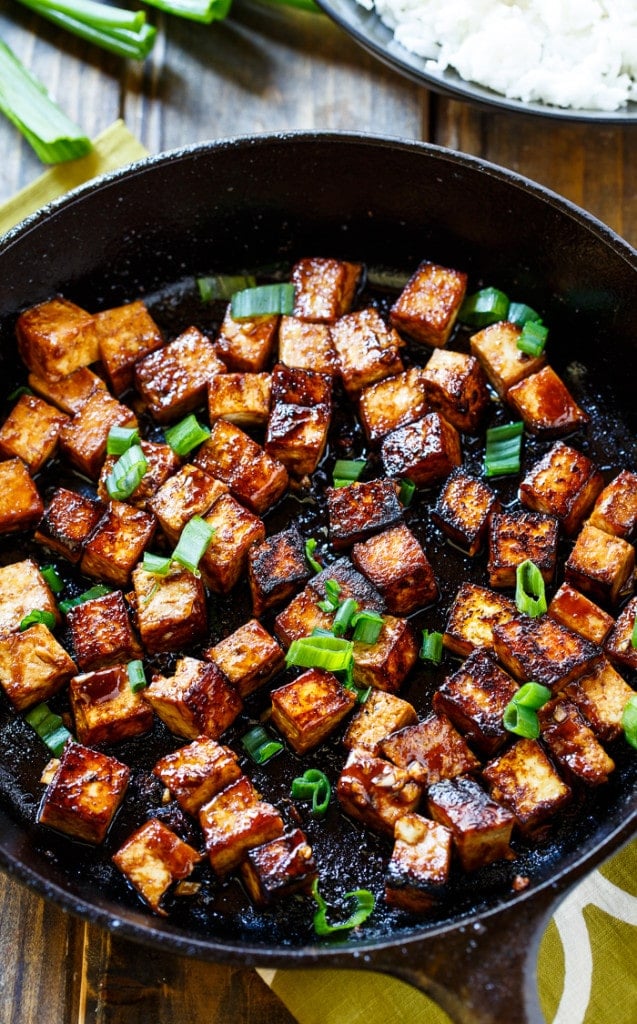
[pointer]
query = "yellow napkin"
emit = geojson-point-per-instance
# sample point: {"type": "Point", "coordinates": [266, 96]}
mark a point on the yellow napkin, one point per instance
{"type": "Point", "coordinates": [587, 964]}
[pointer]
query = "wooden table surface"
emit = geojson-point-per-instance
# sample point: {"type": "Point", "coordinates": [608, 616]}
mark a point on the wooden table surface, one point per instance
{"type": "Point", "coordinates": [263, 69]}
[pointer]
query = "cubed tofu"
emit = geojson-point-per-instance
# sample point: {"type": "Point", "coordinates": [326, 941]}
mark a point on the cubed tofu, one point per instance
{"type": "Point", "coordinates": [352, 583]}
{"type": "Point", "coordinates": [601, 696]}
{"type": "Point", "coordinates": [279, 868]}
{"type": "Point", "coordinates": [464, 510]}
{"type": "Point", "coordinates": [425, 451]}
{"type": "Point", "coordinates": [20, 502]}
{"type": "Point", "coordinates": [428, 306]}
{"type": "Point", "coordinates": [385, 664]}
{"type": "Point", "coordinates": [101, 632]}
{"type": "Point", "coordinates": [153, 858]}
{"type": "Point", "coordinates": [367, 350]}
{"type": "Point", "coordinates": [616, 507]}
{"type": "Point", "coordinates": [30, 432]}
{"type": "Point", "coordinates": [376, 792]}
{"type": "Point", "coordinates": [311, 707]}
{"type": "Point", "coordinates": [162, 463]}
{"type": "Point", "coordinates": [82, 440]}
{"type": "Point", "coordinates": [418, 870]}
{"type": "Point", "coordinates": [601, 565]}
{"type": "Point", "coordinates": [394, 561]}
{"type": "Point", "coordinates": [515, 537]}
{"type": "Point", "coordinates": [524, 779]}
{"type": "Point", "coordinates": [393, 402]}
{"type": "Point", "coordinates": [84, 794]}
{"type": "Point", "coordinates": [68, 521]}
{"type": "Point", "coordinates": [237, 820]}
{"type": "Point", "coordinates": [241, 398]}
{"type": "Point", "coordinates": [105, 708]}
{"type": "Point", "coordinates": [472, 617]}
{"type": "Point", "coordinates": [542, 650]}
{"type": "Point", "coordinates": [125, 335]}
{"type": "Point", "coordinates": [480, 826]}
{"type": "Point", "coordinates": [299, 418]}
{"type": "Point", "coordinates": [173, 380]}
{"type": "Point", "coordinates": [170, 610]}
{"type": "Point", "coordinates": [359, 510]}
{"type": "Point", "coordinates": [69, 393]}
{"type": "Point", "coordinates": [117, 543]}
{"type": "Point", "coordinates": [22, 590]}
{"type": "Point", "coordinates": [306, 345]}
{"type": "Point", "coordinates": [456, 387]}
{"type": "Point", "coordinates": [324, 288]}
{"type": "Point", "coordinates": [56, 337]}
{"type": "Point", "coordinates": [197, 772]}
{"type": "Point", "coordinates": [431, 750]}
{"type": "Point", "coordinates": [249, 657]}
{"type": "Point", "coordinates": [33, 666]}
{"type": "Point", "coordinates": [247, 346]}
{"type": "Point", "coordinates": [255, 478]}
{"type": "Point", "coordinates": [564, 483]}
{"type": "Point", "coordinates": [196, 701]}
{"type": "Point", "coordinates": [474, 698]}
{"type": "Point", "coordinates": [236, 529]}
{"type": "Point", "coordinates": [277, 569]}
{"type": "Point", "coordinates": [544, 403]}
{"type": "Point", "coordinates": [381, 714]}
{"type": "Point", "coordinates": [572, 744]}
{"type": "Point", "coordinates": [579, 614]}
{"type": "Point", "coordinates": [619, 647]}
{"type": "Point", "coordinates": [496, 349]}
{"type": "Point", "coordinates": [188, 492]}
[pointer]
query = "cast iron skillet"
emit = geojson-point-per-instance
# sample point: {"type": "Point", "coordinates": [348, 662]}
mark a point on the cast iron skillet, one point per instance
{"type": "Point", "coordinates": [249, 202]}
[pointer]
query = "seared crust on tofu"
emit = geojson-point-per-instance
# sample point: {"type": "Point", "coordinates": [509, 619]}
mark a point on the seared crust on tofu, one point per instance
{"type": "Point", "coordinates": [247, 346]}
{"type": "Point", "coordinates": [306, 345]}
{"type": "Point", "coordinates": [20, 503]}
{"type": "Point", "coordinates": [542, 650]}
{"type": "Point", "coordinates": [381, 714]}
{"type": "Point", "coordinates": [515, 537]}
{"type": "Point", "coordinates": [601, 696]}
{"type": "Point", "coordinates": [125, 335]}
{"type": "Point", "coordinates": [524, 779]}
{"type": "Point", "coordinates": [396, 564]}
{"type": "Point", "coordinates": [572, 743]}
{"type": "Point", "coordinates": [117, 543]}
{"type": "Point", "coordinates": [82, 439]}
{"type": "Point", "coordinates": [455, 385]}
{"type": "Point", "coordinates": [30, 432]}
{"type": "Point", "coordinates": [600, 564]}
{"type": "Point", "coordinates": [152, 859]}
{"type": "Point", "coordinates": [236, 529]}
{"type": "Point", "coordinates": [248, 658]}
{"type": "Point", "coordinates": [360, 509]}
{"type": "Point", "coordinates": [105, 709]}
{"type": "Point", "coordinates": [324, 288]}
{"type": "Point", "coordinates": [474, 699]}
{"type": "Point", "coordinates": [173, 380]}
{"type": "Point", "coordinates": [418, 870]}
{"type": "Point", "coordinates": [496, 348]}
{"type": "Point", "coordinates": [546, 405]}
{"type": "Point", "coordinates": [579, 614]}
{"type": "Point", "coordinates": [196, 772]}
{"type": "Point", "coordinates": [255, 478]}
{"type": "Point", "coordinates": [189, 492]}
{"type": "Point", "coordinates": [429, 304]}
{"type": "Point", "coordinates": [352, 584]}
{"type": "Point", "coordinates": [473, 615]}
{"type": "Point", "coordinates": [241, 398]}
{"type": "Point", "coordinates": [23, 589]}
{"type": "Point", "coordinates": [68, 521]}
{"type": "Point", "coordinates": [430, 751]}
{"type": "Point", "coordinates": [425, 451]}
{"type": "Point", "coordinates": [279, 868]}
{"type": "Point", "coordinates": [161, 464]}
{"type": "Point", "coordinates": [299, 418]}
{"type": "Point", "coordinates": [101, 632]}
{"type": "Point", "coordinates": [464, 509]}
{"type": "Point", "coordinates": [310, 707]}
{"type": "Point", "coordinates": [235, 821]}
{"type": "Point", "coordinates": [69, 393]}
{"type": "Point", "coordinates": [386, 663]}
{"type": "Point", "coordinates": [367, 350]}
{"type": "Point", "coordinates": [619, 646]}
{"type": "Point", "coordinates": [480, 826]}
{"type": "Point", "coordinates": [33, 666]}
{"type": "Point", "coordinates": [56, 337]}
{"type": "Point", "coordinates": [564, 483]}
{"type": "Point", "coordinates": [393, 402]}
{"type": "Point", "coordinates": [170, 610]}
{"type": "Point", "coordinates": [376, 792]}
{"type": "Point", "coordinates": [616, 507]}
{"type": "Point", "coordinates": [196, 701]}
{"type": "Point", "coordinates": [277, 568]}
{"type": "Point", "coordinates": [84, 794]}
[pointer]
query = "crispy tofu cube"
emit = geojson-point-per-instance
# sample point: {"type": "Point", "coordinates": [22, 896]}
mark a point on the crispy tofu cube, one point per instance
{"type": "Point", "coordinates": [472, 617]}
{"type": "Point", "coordinates": [277, 568]}
{"type": "Point", "coordinates": [376, 792]}
{"type": "Point", "coordinates": [197, 772]}
{"type": "Point", "coordinates": [67, 522]}
{"type": "Point", "coordinates": [69, 393]}
{"type": "Point", "coordinates": [481, 827]}
{"type": "Point", "coordinates": [381, 714]}
{"type": "Point", "coordinates": [101, 632]}
{"type": "Point", "coordinates": [23, 589]}
{"type": "Point", "coordinates": [33, 666]}
{"type": "Point", "coordinates": [425, 451]}
{"type": "Point", "coordinates": [525, 780]}
{"type": "Point", "coordinates": [188, 492]}
{"type": "Point", "coordinates": [396, 564]}
{"type": "Point", "coordinates": [418, 870]}
{"type": "Point", "coordinates": [515, 537]}
{"type": "Point", "coordinates": [84, 794]}
{"type": "Point", "coordinates": [464, 510]}
{"type": "Point", "coordinates": [386, 664]}
{"type": "Point", "coordinates": [306, 345]}
{"type": "Point", "coordinates": [248, 658]}
{"type": "Point", "coordinates": [56, 337]}
{"type": "Point", "coordinates": [311, 707]}
{"type": "Point", "coordinates": [619, 646]}
{"type": "Point", "coordinates": [601, 696]}
{"type": "Point", "coordinates": [247, 346]}
{"type": "Point", "coordinates": [429, 304]}
{"type": "Point", "coordinates": [367, 350]}
{"type": "Point", "coordinates": [299, 418]}
{"type": "Point", "coordinates": [196, 701]}
{"type": "Point", "coordinates": [241, 398]}
{"type": "Point", "coordinates": [360, 509]}
{"type": "Point", "coordinates": [153, 858]}
{"type": "Point", "coordinates": [162, 464]}
{"type": "Point", "coordinates": [173, 380]}
{"type": "Point", "coordinates": [126, 334]}
{"type": "Point", "coordinates": [616, 507]}
{"type": "Point", "coordinates": [572, 744]}
{"type": "Point", "coordinates": [30, 432]}
{"type": "Point", "coordinates": [20, 503]}
{"type": "Point", "coordinates": [279, 868]}
{"type": "Point", "coordinates": [117, 543]}
{"type": "Point", "coordinates": [255, 478]}
{"type": "Point", "coordinates": [235, 821]}
{"type": "Point", "coordinates": [579, 614]}
{"type": "Point", "coordinates": [496, 349]}
{"type": "Point", "coordinates": [352, 583]}
{"type": "Point", "coordinates": [564, 483]}
{"type": "Point", "coordinates": [456, 387]}
{"type": "Point", "coordinates": [474, 699]}
{"type": "Point", "coordinates": [105, 709]}
{"type": "Point", "coordinates": [542, 650]}
{"type": "Point", "coordinates": [82, 439]}
{"type": "Point", "coordinates": [236, 529]}
{"type": "Point", "coordinates": [170, 610]}
{"type": "Point", "coordinates": [601, 564]}
{"type": "Point", "coordinates": [393, 402]}
{"type": "Point", "coordinates": [430, 751]}
{"type": "Point", "coordinates": [324, 288]}
{"type": "Point", "coordinates": [546, 405]}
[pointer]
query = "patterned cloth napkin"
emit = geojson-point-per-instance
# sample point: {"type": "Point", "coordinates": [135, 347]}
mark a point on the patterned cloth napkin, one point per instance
{"type": "Point", "coordinates": [587, 967]}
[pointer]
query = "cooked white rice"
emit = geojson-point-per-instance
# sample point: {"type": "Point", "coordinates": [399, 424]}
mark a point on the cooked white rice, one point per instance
{"type": "Point", "coordinates": [569, 53]}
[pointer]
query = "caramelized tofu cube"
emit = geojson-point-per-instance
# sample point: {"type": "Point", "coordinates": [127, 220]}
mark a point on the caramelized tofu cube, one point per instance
{"type": "Point", "coordinates": [235, 531]}
{"type": "Point", "coordinates": [84, 794]}
{"type": "Point", "coordinates": [381, 714]}
{"type": "Point", "coordinates": [188, 492]}
{"type": "Point", "coordinates": [20, 503]}
{"type": "Point", "coordinates": [170, 610]}
{"type": "Point", "coordinates": [69, 393]}
{"type": "Point", "coordinates": [473, 615]}
{"type": "Point", "coordinates": [235, 821]}
{"type": "Point", "coordinates": [351, 582]}
{"type": "Point", "coordinates": [572, 743]}
{"type": "Point", "coordinates": [83, 439]}
{"type": "Point", "coordinates": [386, 664]}
{"type": "Point", "coordinates": [525, 780]}
{"type": "Point", "coordinates": [56, 337]}
{"type": "Point", "coordinates": [118, 543]}
{"type": "Point", "coordinates": [300, 617]}
{"type": "Point", "coordinates": [324, 288]}
{"type": "Point", "coordinates": [293, 386]}
{"type": "Point", "coordinates": [474, 699]}
{"type": "Point", "coordinates": [619, 647]}
{"type": "Point", "coordinates": [375, 792]}
{"type": "Point", "coordinates": [101, 632]}
{"type": "Point", "coordinates": [430, 751]}
{"type": "Point", "coordinates": [241, 398]}
{"type": "Point", "coordinates": [197, 772]}
{"type": "Point", "coordinates": [162, 463]}
{"type": "Point", "coordinates": [601, 696]}
{"type": "Point", "coordinates": [393, 402]}
{"type": "Point", "coordinates": [418, 870]}
{"type": "Point", "coordinates": [255, 478]}
{"type": "Point", "coordinates": [496, 349]}
{"type": "Point", "coordinates": [311, 707]}
{"type": "Point", "coordinates": [30, 432]}
{"type": "Point", "coordinates": [247, 346]}
{"type": "Point", "coordinates": [546, 405]}
{"type": "Point", "coordinates": [425, 451]}
{"type": "Point", "coordinates": [429, 304]}
{"type": "Point", "coordinates": [248, 658]}
{"type": "Point", "coordinates": [577, 613]}
{"type": "Point", "coordinates": [464, 510]}
{"type": "Point", "coordinates": [173, 380]}
{"type": "Point", "coordinates": [33, 666]}
{"type": "Point", "coordinates": [67, 522]}
{"type": "Point", "coordinates": [515, 537]}
{"type": "Point", "coordinates": [360, 509]}
{"type": "Point", "coordinates": [616, 507]}
{"type": "Point", "coordinates": [481, 827]}
{"type": "Point", "coordinates": [542, 650]}
{"type": "Point", "coordinates": [196, 701]}
{"type": "Point", "coordinates": [564, 484]}
{"type": "Point", "coordinates": [601, 565]}
{"type": "Point", "coordinates": [456, 387]}
{"type": "Point", "coordinates": [105, 709]}
{"type": "Point", "coordinates": [277, 568]}
{"type": "Point", "coordinates": [279, 868]}
{"type": "Point", "coordinates": [396, 564]}
{"type": "Point", "coordinates": [306, 345]}
{"type": "Point", "coordinates": [153, 858]}
{"type": "Point", "coordinates": [367, 350]}
{"type": "Point", "coordinates": [23, 589]}
{"type": "Point", "coordinates": [299, 418]}
{"type": "Point", "coordinates": [126, 334]}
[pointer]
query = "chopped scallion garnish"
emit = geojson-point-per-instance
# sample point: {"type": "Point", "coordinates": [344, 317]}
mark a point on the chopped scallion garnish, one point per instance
{"type": "Point", "coordinates": [346, 471]}
{"type": "Point", "coordinates": [334, 654]}
{"type": "Point", "coordinates": [127, 473]}
{"type": "Point", "coordinates": [36, 617]}
{"type": "Point", "coordinates": [186, 435]}
{"type": "Point", "coordinates": [49, 727]}
{"type": "Point", "coordinates": [193, 543]}
{"type": "Point", "coordinates": [504, 445]}
{"type": "Point", "coordinates": [50, 574]}
{"type": "Point", "coordinates": [520, 715]}
{"type": "Point", "coordinates": [196, 10]}
{"type": "Point", "coordinates": [259, 746]}
{"type": "Point", "coordinates": [367, 626]}
{"type": "Point", "coordinates": [343, 616]}
{"type": "Point", "coordinates": [633, 635]}
{"type": "Point", "coordinates": [519, 313]}
{"type": "Point", "coordinates": [530, 596]}
{"type": "Point", "coordinates": [99, 590]}
{"type": "Point", "coordinates": [364, 905]}
{"type": "Point", "coordinates": [533, 338]}
{"type": "Point", "coordinates": [487, 306]}
{"type": "Point", "coordinates": [223, 286]}
{"type": "Point", "coordinates": [156, 564]}
{"type": "Point", "coordinates": [264, 300]}
{"type": "Point", "coordinates": [406, 492]}
{"type": "Point", "coordinates": [629, 720]}
{"type": "Point", "coordinates": [532, 695]}
{"type": "Point", "coordinates": [331, 601]}
{"type": "Point", "coordinates": [310, 548]}
{"type": "Point", "coordinates": [431, 649]}
{"type": "Point", "coordinates": [136, 675]}
{"type": "Point", "coordinates": [313, 785]}
{"type": "Point", "coordinates": [120, 439]}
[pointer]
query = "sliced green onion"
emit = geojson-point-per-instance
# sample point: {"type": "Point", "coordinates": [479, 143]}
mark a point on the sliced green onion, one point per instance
{"type": "Point", "coordinates": [195, 10]}
{"type": "Point", "coordinates": [521, 720]}
{"type": "Point", "coordinates": [519, 313]}
{"type": "Point", "coordinates": [136, 675]}
{"type": "Point", "coordinates": [37, 616]}
{"type": "Point", "coordinates": [99, 590]}
{"type": "Point", "coordinates": [431, 649]}
{"type": "Point", "coordinates": [406, 492]}
{"type": "Point", "coordinates": [310, 548]}
{"type": "Point", "coordinates": [122, 32]}
{"type": "Point", "coordinates": [633, 636]}
{"type": "Point", "coordinates": [367, 626]}
{"type": "Point", "coordinates": [346, 471]}
{"type": "Point", "coordinates": [629, 720]}
{"type": "Point", "coordinates": [259, 746]}
{"type": "Point", "coordinates": [313, 785]}
{"type": "Point", "coordinates": [156, 564]}
{"type": "Point", "coordinates": [50, 574]}
{"type": "Point", "coordinates": [49, 727]}
{"type": "Point", "coordinates": [364, 905]}
{"type": "Point", "coordinates": [120, 439]}
{"type": "Point", "coordinates": [334, 654]}
{"type": "Point", "coordinates": [264, 300]}
{"type": "Point", "coordinates": [331, 601]}
{"type": "Point", "coordinates": [193, 543]}
{"type": "Point", "coordinates": [530, 596]}
{"type": "Point", "coordinates": [487, 306]}
{"type": "Point", "coordinates": [504, 446]}
{"type": "Point", "coordinates": [19, 391]}
{"type": "Point", "coordinates": [532, 695]}
{"type": "Point", "coordinates": [127, 473]}
{"type": "Point", "coordinates": [343, 617]}
{"type": "Point", "coordinates": [533, 338]}
{"type": "Point", "coordinates": [223, 286]}
{"type": "Point", "coordinates": [186, 435]}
